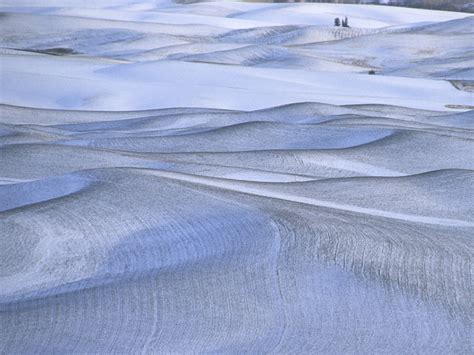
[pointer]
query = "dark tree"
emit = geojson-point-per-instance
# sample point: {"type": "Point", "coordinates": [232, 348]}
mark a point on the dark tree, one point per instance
{"type": "Point", "coordinates": [345, 22]}
{"type": "Point", "coordinates": [337, 22]}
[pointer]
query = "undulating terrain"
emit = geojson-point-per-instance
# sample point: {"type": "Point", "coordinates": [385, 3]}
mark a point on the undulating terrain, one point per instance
{"type": "Point", "coordinates": [229, 178]}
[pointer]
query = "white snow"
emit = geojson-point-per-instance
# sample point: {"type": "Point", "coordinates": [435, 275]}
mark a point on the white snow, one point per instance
{"type": "Point", "coordinates": [226, 177]}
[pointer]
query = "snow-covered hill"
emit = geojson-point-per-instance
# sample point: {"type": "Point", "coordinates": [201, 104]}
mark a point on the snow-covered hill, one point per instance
{"type": "Point", "coordinates": [227, 177]}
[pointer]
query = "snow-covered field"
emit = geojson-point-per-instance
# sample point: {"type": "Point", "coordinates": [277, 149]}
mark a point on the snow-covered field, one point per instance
{"type": "Point", "coordinates": [227, 177]}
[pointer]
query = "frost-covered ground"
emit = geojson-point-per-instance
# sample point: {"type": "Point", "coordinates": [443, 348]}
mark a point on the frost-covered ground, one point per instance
{"type": "Point", "coordinates": [228, 178]}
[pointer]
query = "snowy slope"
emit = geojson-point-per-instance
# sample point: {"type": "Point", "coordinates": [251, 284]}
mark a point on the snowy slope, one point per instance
{"type": "Point", "coordinates": [227, 177]}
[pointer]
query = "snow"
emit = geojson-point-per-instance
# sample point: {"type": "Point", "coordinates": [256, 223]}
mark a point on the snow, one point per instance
{"type": "Point", "coordinates": [80, 84]}
{"type": "Point", "coordinates": [226, 177]}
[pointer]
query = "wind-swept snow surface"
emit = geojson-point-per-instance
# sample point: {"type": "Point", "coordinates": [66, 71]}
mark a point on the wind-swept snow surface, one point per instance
{"type": "Point", "coordinates": [228, 178]}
